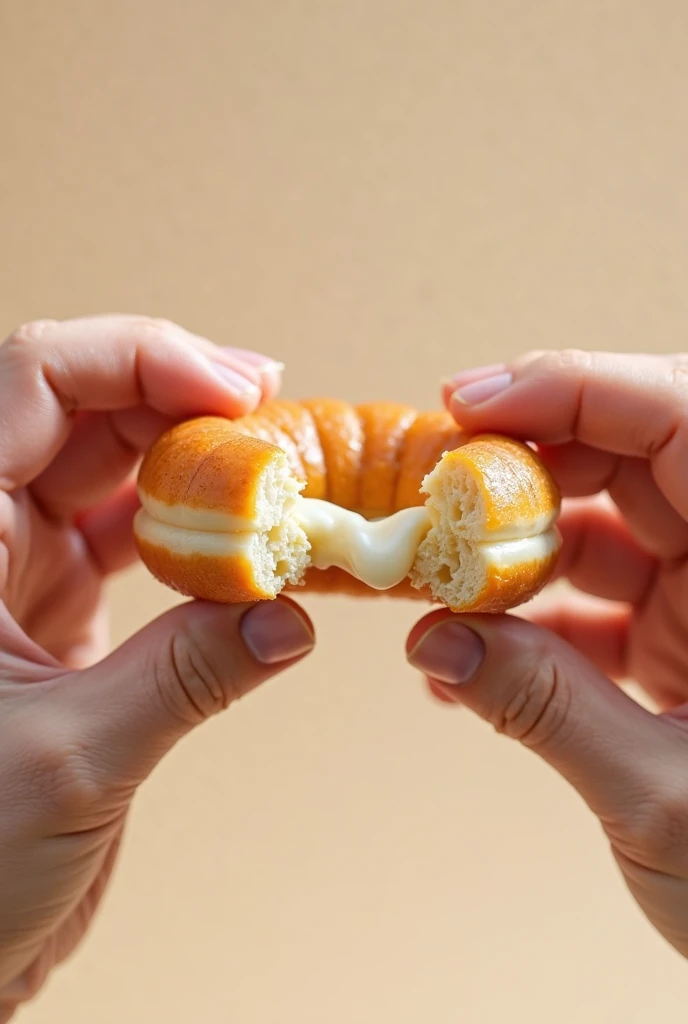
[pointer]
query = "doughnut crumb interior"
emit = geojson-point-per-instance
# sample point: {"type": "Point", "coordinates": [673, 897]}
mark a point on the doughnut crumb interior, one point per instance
{"type": "Point", "coordinates": [346, 499]}
{"type": "Point", "coordinates": [282, 548]}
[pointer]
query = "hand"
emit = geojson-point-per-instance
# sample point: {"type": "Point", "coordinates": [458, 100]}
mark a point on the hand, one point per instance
{"type": "Point", "coordinates": [615, 423]}
{"type": "Point", "coordinates": [78, 402]}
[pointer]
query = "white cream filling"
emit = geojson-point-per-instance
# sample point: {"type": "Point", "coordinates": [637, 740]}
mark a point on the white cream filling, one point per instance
{"type": "Point", "coordinates": [380, 553]}
{"type": "Point", "coordinates": [516, 531]}
{"type": "Point", "coordinates": [183, 540]}
{"type": "Point", "coordinates": [195, 519]}
{"type": "Point", "coordinates": [508, 553]}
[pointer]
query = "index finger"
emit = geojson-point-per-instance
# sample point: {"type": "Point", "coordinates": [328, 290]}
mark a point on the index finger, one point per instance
{"type": "Point", "coordinates": [634, 405]}
{"type": "Point", "coordinates": [51, 370]}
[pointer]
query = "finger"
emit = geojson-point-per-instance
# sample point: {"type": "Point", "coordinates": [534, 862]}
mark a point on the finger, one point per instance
{"type": "Point", "coordinates": [450, 384]}
{"type": "Point", "coordinates": [95, 458]}
{"type": "Point", "coordinates": [107, 529]}
{"type": "Point", "coordinates": [263, 370]}
{"type": "Point", "coordinates": [653, 521]}
{"type": "Point", "coordinates": [102, 450]}
{"type": "Point", "coordinates": [439, 694]}
{"type": "Point", "coordinates": [91, 644]}
{"type": "Point", "coordinates": [188, 665]}
{"type": "Point", "coordinates": [269, 370]}
{"type": "Point", "coordinates": [533, 687]}
{"type": "Point", "coordinates": [597, 629]}
{"type": "Point", "coordinates": [659, 643]}
{"type": "Point", "coordinates": [582, 470]}
{"type": "Point", "coordinates": [49, 371]}
{"type": "Point", "coordinates": [62, 619]}
{"type": "Point", "coordinates": [599, 554]}
{"type": "Point", "coordinates": [634, 405]}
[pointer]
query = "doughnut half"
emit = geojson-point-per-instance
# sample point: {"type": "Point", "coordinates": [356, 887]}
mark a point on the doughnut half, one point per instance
{"type": "Point", "coordinates": [374, 498]}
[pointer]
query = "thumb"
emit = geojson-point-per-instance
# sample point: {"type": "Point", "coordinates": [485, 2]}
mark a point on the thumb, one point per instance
{"type": "Point", "coordinates": [183, 668]}
{"type": "Point", "coordinates": [535, 688]}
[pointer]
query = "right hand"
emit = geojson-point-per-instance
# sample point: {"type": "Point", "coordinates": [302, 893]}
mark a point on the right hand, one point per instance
{"type": "Point", "coordinates": [619, 424]}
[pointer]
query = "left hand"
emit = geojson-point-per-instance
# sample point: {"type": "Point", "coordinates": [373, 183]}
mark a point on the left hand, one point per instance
{"type": "Point", "coordinates": [79, 401]}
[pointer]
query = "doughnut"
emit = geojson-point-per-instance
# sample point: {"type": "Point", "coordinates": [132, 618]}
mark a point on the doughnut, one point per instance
{"type": "Point", "coordinates": [351, 499]}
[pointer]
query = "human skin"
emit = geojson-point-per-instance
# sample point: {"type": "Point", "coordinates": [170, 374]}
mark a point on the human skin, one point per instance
{"type": "Point", "coordinates": [603, 423]}
{"type": "Point", "coordinates": [80, 730]}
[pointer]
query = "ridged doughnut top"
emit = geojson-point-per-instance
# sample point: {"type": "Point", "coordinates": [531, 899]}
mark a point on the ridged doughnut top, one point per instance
{"type": "Point", "coordinates": [206, 464]}
{"type": "Point", "coordinates": [371, 458]}
{"type": "Point", "coordinates": [222, 520]}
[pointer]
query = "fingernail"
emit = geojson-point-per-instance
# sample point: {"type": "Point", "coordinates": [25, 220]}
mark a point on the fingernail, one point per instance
{"type": "Point", "coordinates": [242, 387]}
{"type": "Point", "coordinates": [459, 380]}
{"type": "Point", "coordinates": [270, 367]}
{"type": "Point", "coordinates": [449, 652]}
{"type": "Point", "coordinates": [259, 362]}
{"type": "Point", "coordinates": [482, 390]}
{"type": "Point", "coordinates": [275, 631]}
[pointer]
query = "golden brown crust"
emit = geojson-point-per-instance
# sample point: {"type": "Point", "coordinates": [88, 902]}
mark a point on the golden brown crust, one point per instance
{"type": "Point", "coordinates": [228, 580]}
{"type": "Point", "coordinates": [254, 426]}
{"type": "Point", "coordinates": [515, 486]}
{"type": "Point", "coordinates": [189, 466]}
{"type": "Point", "coordinates": [294, 420]}
{"type": "Point", "coordinates": [385, 426]}
{"type": "Point", "coordinates": [510, 587]}
{"type": "Point", "coordinates": [429, 436]}
{"type": "Point", "coordinates": [503, 590]}
{"type": "Point", "coordinates": [371, 458]}
{"type": "Point", "coordinates": [337, 581]}
{"type": "Point", "coordinates": [341, 439]}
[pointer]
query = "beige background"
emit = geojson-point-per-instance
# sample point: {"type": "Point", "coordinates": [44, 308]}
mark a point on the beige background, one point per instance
{"type": "Point", "coordinates": [425, 184]}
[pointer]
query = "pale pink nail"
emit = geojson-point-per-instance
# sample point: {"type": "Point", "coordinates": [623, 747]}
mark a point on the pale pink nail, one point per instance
{"type": "Point", "coordinates": [263, 364]}
{"type": "Point", "coordinates": [272, 366]}
{"type": "Point", "coordinates": [240, 386]}
{"type": "Point", "coordinates": [482, 390]}
{"type": "Point", "coordinates": [459, 380]}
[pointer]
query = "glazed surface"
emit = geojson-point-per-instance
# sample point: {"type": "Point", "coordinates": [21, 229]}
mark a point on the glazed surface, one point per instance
{"type": "Point", "coordinates": [370, 458]}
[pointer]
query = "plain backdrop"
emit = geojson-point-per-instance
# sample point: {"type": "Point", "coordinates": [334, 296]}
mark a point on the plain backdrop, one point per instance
{"type": "Point", "coordinates": [378, 192]}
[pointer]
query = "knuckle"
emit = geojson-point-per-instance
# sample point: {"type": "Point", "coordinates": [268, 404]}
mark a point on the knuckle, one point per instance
{"type": "Point", "coordinates": [672, 387]}
{"type": "Point", "coordinates": [679, 376]}
{"type": "Point", "coordinates": [154, 329]}
{"type": "Point", "coordinates": [62, 768]}
{"type": "Point", "coordinates": [570, 361]}
{"type": "Point", "coordinates": [30, 981]}
{"type": "Point", "coordinates": [78, 794]}
{"type": "Point", "coordinates": [57, 773]}
{"type": "Point", "coordinates": [190, 685]}
{"type": "Point", "coordinates": [532, 355]}
{"type": "Point", "coordinates": [537, 711]}
{"type": "Point", "coordinates": [656, 833]}
{"type": "Point", "coordinates": [29, 333]}
{"type": "Point", "coordinates": [162, 324]}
